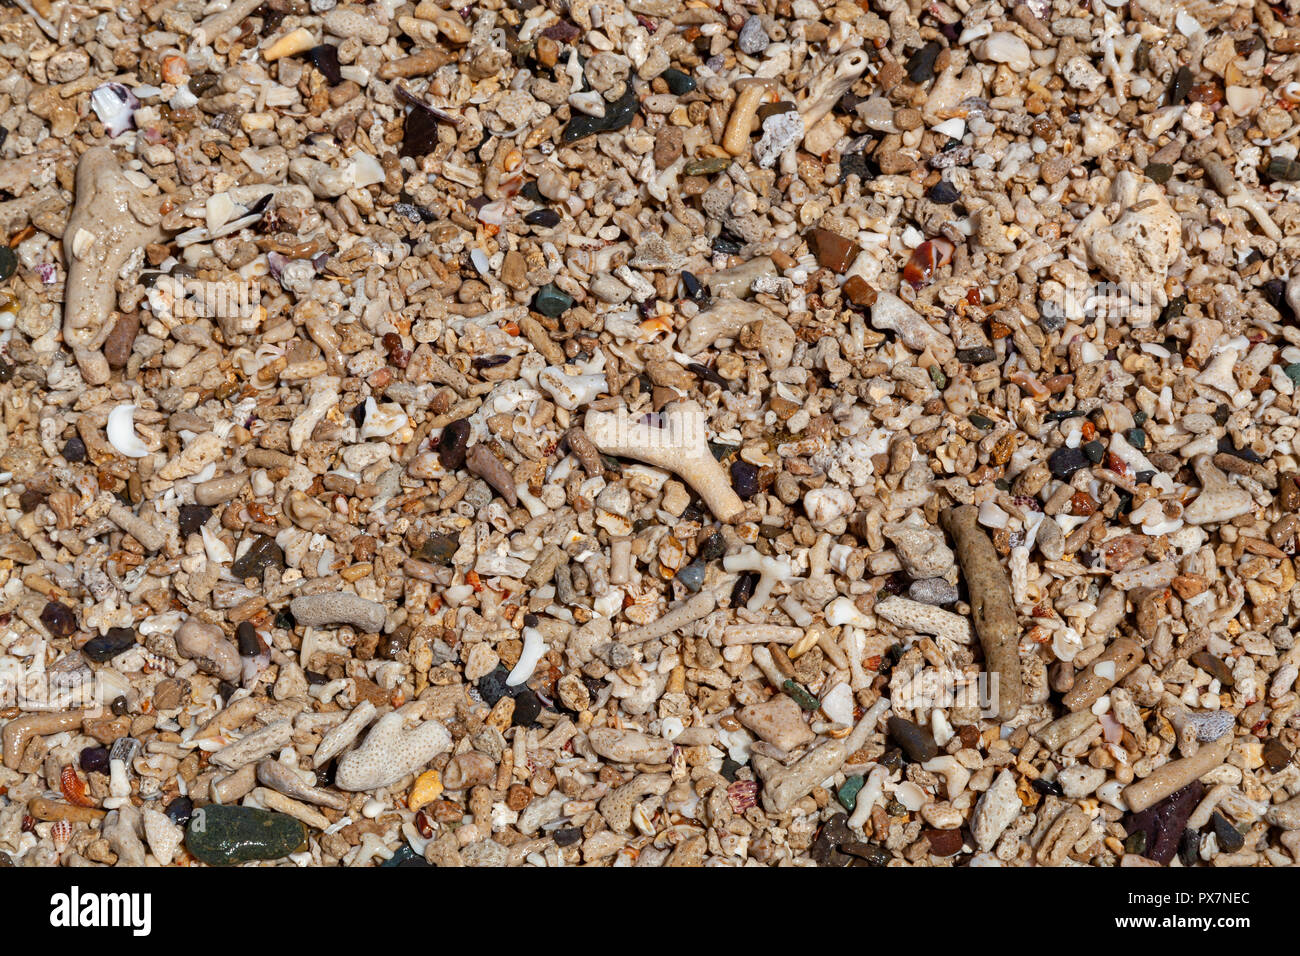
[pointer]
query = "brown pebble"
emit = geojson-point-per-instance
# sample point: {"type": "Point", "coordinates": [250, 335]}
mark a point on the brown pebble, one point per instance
{"type": "Point", "coordinates": [1276, 755]}
{"type": "Point", "coordinates": [943, 842]}
{"type": "Point", "coordinates": [1212, 666]}
{"type": "Point", "coordinates": [668, 146]}
{"type": "Point", "coordinates": [859, 292]}
{"type": "Point", "coordinates": [117, 347]}
{"type": "Point", "coordinates": [832, 250]}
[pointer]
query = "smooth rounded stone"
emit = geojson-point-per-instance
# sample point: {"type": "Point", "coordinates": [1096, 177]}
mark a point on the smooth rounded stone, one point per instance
{"type": "Point", "coordinates": [1064, 462]}
{"type": "Point", "coordinates": [552, 302]}
{"type": "Point", "coordinates": [1006, 48]}
{"type": "Point", "coordinates": [452, 444]}
{"type": "Point", "coordinates": [692, 576]}
{"type": "Point", "coordinates": [867, 854]}
{"type": "Point", "coordinates": [59, 619]}
{"type": "Point", "coordinates": [917, 741]}
{"type": "Point", "coordinates": [224, 835]}
{"type": "Point", "coordinates": [207, 645]}
{"type": "Point", "coordinates": [753, 38]}
{"type": "Point", "coordinates": [779, 721]}
{"type": "Point", "coordinates": [943, 842]}
{"type": "Point", "coordinates": [935, 591]}
{"type": "Point", "coordinates": [94, 760]}
{"type": "Point", "coordinates": [679, 83]}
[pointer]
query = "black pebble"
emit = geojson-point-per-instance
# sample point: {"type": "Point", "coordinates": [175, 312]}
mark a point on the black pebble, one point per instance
{"type": "Point", "coordinates": [492, 687]}
{"type": "Point", "coordinates": [744, 588]}
{"type": "Point", "coordinates": [943, 193]}
{"type": "Point", "coordinates": [1064, 462]}
{"type": "Point", "coordinates": [527, 706]}
{"type": "Point", "coordinates": [120, 707]}
{"type": "Point", "coordinates": [920, 65]}
{"type": "Point", "coordinates": [694, 290]}
{"type": "Point", "coordinates": [179, 810]}
{"type": "Point", "coordinates": [246, 635]}
{"type": "Point", "coordinates": [679, 83]}
{"type": "Point", "coordinates": [1226, 835]}
{"type": "Point", "coordinates": [74, 450]}
{"type": "Point", "coordinates": [193, 517]}
{"type": "Point", "coordinates": [326, 59]}
{"type": "Point", "coordinates": [546, 218]}
{"type": "Point", "coordinates": [744, 478]}
{"type": "Point", "coordinates": [118, 640]}
{"type": "Point", "coordinates": [94, 760]}
{"type": "Point", "coordinates": [976, 356]}
{"type": "Point", "coordinates": [451, 444]}
{"type": "Point", "coordinates": [917, 742]}
{"type": "Point", "coordinates": [567, 836]}
{"type": "Point", "coordinates": [729, 768]}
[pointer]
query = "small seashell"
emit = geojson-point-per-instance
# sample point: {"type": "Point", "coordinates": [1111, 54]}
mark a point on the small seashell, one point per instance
{"type": "Point", "coordinates": [121, 432]}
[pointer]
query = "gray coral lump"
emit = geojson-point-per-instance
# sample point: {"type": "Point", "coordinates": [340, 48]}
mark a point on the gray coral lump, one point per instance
{"type": "Point", "coordinates": [643, 433]}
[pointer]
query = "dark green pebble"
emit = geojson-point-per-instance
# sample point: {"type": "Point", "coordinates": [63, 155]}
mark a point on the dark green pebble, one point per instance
{"type": "Point", "coordinates": [1287, 170]}
{"type": "Point", "coordinates": [222, 835]}
{"type": "Point", "coordinates": [1095, 451]}
{"type": "Point", "coordinates": [980, 422]}
{"type": "Point", "coordinates": [847, 795]}
{"type": "Point", "coordinates": [551, 302]}
{"type": "Point", "coordinates": [679, 83]}
{"type": "Point", "coordinates": [936, 375]}
{"type": "Point", "coordinates": [1137, 438]}
{"type": "Point", "coordinates": [800, 695]}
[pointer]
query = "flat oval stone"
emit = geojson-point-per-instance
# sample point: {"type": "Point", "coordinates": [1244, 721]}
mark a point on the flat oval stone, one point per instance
{"type": "Point", "coordinates": [220, 835]}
